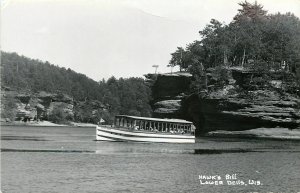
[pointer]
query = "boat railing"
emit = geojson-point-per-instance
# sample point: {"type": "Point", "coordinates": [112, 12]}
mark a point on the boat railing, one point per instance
{"type": "Point", "coordinates": [153, 125]}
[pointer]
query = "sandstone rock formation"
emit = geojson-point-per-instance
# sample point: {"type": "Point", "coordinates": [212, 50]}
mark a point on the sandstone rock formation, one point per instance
{"type": "Point", "coordinates": [46, 106]}
{"type": "Point", "coordinates": [232, 107]}
{"type": "Point", "coordinates": [236, 113]}
{"type": "Point", "coordinates": [167, 92]}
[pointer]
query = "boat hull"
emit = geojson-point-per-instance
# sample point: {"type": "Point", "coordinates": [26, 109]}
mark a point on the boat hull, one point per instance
{"type": "Point", "coordinates": [113, 134]}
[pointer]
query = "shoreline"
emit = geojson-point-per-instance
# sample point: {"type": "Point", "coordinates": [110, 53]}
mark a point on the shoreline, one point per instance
{"type": "Point", "coordinates": [46, 124]}
{"type": "Point", "coordinates": [259, 133]}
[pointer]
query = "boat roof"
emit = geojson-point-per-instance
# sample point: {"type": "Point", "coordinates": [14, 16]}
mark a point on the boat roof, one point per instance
{"type": "Point", "coordinates": [156, 119]}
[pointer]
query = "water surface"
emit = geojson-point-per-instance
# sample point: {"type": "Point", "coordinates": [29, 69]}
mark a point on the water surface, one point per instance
{"type": "Point", "coordinates": [66, 159]}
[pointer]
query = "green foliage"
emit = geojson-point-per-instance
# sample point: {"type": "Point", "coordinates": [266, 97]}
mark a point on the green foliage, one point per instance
{"type": "Point", "coordinates": [221, 75]}
{"type": "Point", "coordinates": [24, 74]}
{"type": "Point", "coordinates": [8, 109]}
{"type": "Point", "coordinates": [117, 96]}
{"type": "Point", "coordinates": [102, 114]}
{"type": "Point", "coordinates": [199, 81]}
{"type": "Point", "coordinates": [252, 39]}
{"type": "Point", "coordinates": [253, 12]}
{"type": "Point", "coordinates": [126, 96]}
{"type": "Point", "coordinates": [298, 75]}
{"type": "Point", "coordinates": [58, 116]}
{"type": "Point", "coordinates": [178, 58]}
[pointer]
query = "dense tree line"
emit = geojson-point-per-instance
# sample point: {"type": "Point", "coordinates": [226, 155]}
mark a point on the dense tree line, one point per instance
{"type": "Point", "coordinates": [26, 74]}
{"type": "Point", "coordinates": [126, 96]}
{"type": "Point", "coordinates": [253, 39]}
{"type": "Point", "coordinates": [119, 96]}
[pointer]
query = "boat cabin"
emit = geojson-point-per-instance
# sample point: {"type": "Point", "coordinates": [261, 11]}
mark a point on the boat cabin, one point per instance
{"type": "Point", "coordinates": [154, 124]}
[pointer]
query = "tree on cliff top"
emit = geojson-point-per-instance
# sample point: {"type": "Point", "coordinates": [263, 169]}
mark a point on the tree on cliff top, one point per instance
{"type": "Point", "coordinates": [250, 12]}
{"type": "Point", "coordinates": [179, 58]}
{"type": "Point", "coordinates": [252, 39]}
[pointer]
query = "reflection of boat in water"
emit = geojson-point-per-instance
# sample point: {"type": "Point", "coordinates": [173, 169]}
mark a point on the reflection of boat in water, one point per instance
{"type": "Point", "coordinates": [144, 129]}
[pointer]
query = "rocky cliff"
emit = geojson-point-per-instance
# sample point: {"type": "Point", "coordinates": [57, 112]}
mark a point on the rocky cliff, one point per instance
{"type": "Point", "coordinates": [167, 92]}
{"type": "Point", "coordinates": [47, 106]}
{"type": "Point", "coordinates": [237, 105]}
{"type": "Point", "coordinates": [233, 113]}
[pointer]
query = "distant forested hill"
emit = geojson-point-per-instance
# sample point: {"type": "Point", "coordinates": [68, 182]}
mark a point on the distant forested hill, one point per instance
{"type": "Point", "coordinates": [119, 96]}
{"type": "Point", "coordinates": [25, 74]}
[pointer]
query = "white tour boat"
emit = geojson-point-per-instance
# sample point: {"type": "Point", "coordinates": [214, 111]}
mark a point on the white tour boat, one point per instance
{"type": "Point", "coordinates": [144, 129]}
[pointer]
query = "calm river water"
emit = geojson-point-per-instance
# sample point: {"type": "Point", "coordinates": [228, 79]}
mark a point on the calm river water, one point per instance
{"type": "Point", "coordinates": [65, 159]}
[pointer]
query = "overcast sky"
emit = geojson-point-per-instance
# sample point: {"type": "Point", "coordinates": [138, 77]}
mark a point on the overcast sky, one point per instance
{"type": "Point", "coordinates": [121, 38]}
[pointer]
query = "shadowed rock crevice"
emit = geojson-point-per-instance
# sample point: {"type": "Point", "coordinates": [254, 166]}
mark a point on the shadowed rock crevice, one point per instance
{"type": "Point", "coordinates": [223, 114]}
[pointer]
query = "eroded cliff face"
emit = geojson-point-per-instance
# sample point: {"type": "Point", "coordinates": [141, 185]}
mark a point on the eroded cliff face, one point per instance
{"type": "Point", "coordinates": [47, 106]}
{"type": "Point", "coordinates": [28, 107]}
{"type": "Point", "coordinates": [171, 86]}
{"type": "Point", "coordinates": [235, 113]}
{"type": "Point", "coordinates": [233, 107]}
{"type": "Point", "coordinates": [167, 92]}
